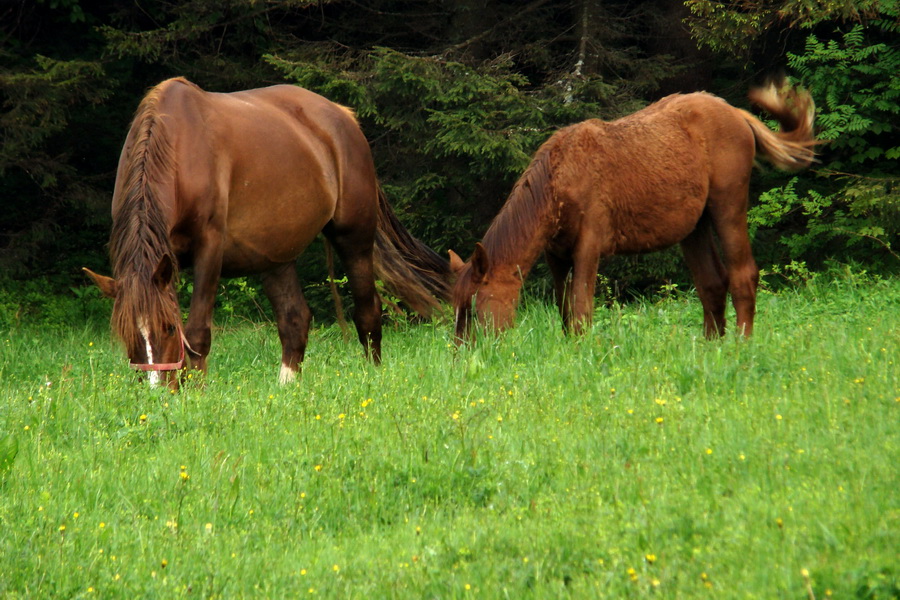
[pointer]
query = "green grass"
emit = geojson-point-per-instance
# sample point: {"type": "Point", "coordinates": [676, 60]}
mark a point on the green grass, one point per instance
{"type": "Point", "coordinates": [638, 460]}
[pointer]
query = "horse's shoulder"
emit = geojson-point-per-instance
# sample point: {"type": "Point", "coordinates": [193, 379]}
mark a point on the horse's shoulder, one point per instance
{"type": "Point", "coordinates": [586, 128]}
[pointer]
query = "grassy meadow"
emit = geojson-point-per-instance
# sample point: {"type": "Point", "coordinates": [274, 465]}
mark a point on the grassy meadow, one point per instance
{"type": "Point", "coordinates": [638, 461]}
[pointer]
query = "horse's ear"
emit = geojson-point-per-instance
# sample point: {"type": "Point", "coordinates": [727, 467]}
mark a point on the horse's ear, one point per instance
{"type": "Point", "coordinates": [108, 286]}
{"type": "Point", "coordinates": [165, 272]}
{"type": "Point", "coordinates": [481, 264]}
{"type": "Point", "coordinates": [456, 263]}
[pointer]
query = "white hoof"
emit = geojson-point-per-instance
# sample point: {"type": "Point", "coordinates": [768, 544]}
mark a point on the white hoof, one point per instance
{"type": "Point", "coordinates": [287, 375]}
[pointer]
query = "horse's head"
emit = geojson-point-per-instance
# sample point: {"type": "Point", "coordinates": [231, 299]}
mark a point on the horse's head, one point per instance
{"type": "Point", "coordinates": [482, 294]}
{"type": "Point", "coordinates": [147, 319]}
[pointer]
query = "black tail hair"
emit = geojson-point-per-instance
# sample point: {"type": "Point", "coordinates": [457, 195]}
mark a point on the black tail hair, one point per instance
{"type": "Point", "coordinates": [409, 269]}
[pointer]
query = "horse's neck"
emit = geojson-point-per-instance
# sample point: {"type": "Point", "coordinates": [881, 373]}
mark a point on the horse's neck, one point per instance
{"type": "Point", "coordinates": [141, 235]}
{"type": "Point", "coordinates": [515, 244]}
{"type": "Point", "coordinates": [518, 260]}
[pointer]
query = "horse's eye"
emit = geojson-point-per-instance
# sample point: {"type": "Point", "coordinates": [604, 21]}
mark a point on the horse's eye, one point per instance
{"type": "Point", "coordinates": [170, 330]}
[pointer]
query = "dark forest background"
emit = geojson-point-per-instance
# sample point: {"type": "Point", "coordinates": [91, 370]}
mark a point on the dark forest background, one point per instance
{"type": "Point", "coordinates": [454, 97]}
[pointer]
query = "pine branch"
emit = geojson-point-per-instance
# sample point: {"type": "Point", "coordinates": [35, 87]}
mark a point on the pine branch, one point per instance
{"type": "Point", "coordinates": [477, 38]}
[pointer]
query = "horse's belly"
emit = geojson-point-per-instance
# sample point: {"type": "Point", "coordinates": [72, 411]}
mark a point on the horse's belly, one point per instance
{"type": "Point", "coordinates": [243, 258]}
{"type": "Point", "coordinates": [658, 224]}
{"type": "Point", "coordinates": [259, 237]}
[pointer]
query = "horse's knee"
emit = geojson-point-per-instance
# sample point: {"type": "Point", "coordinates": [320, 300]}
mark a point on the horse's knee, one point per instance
{"type": "Point", "coordinates": [719, 288]}
{"type": "Point", "coordinates": [712, 295]}
{"type": "Point", "coordinates": [199, 340]}
{"type": "Point", "coordinates": [297, 321]}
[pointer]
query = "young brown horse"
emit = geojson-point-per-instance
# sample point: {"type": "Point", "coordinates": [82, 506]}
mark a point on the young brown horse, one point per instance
{"type": "Point", "coordinates": [241, 183]}
{"type": "Point", "coordinates": [674, 172]}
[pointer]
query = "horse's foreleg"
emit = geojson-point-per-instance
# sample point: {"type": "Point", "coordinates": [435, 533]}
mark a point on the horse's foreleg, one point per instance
{"type": "Point", "coordinates": [584, 279]}
{"type": "Point", "coordinates": [561, 270]}
{"type": "Point", "coordinates": [356, 257]}
{"type": "Point", "coordinates": [292, 314]}
{"type": "Point", "coordinates": [198, 329]}
{"type": "Point", "coordinates": [710, 277]}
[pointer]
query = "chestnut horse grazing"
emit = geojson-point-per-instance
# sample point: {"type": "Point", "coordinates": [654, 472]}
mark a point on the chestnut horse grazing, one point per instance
{"type": "Point", "coordinates": [675, 172]}
{"type": "Point", "coordinates": [241, 183]}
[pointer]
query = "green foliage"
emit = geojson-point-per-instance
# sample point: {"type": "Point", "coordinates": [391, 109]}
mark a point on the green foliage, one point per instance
{"type": "Point", "coordinates": [727, 26]}
{"type": "Point", "coordinates": [240, 297]}
{"type": "Point", "coordinates": [859, 222]}
{"type": "Point", "coordinates": [37, 106]}
{"type": "Point", "coordinates": [46, 119]}
{"type": "Point", "coordinates": [76, 13]}
{"type": "Point", "coordinates": [195, 35]}
{"type": "Point", "coordinates": [35, 301]}
{"type": "Point", "coordinates": [856, 79]}
{"type": "Point", "coordinates": [735, 26]}
{"type": "Point", "coordinates": [777, 206]}
{"type": "Point", "coordinates": [794, 274]}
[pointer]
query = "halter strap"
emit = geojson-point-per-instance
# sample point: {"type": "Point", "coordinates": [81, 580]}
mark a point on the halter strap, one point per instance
{"type": "Point", "coordinates": [175, 366]}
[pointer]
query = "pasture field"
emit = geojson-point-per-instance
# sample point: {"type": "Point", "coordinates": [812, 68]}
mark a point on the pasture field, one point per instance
{"type": "Point", "coordinates": [638, 461]}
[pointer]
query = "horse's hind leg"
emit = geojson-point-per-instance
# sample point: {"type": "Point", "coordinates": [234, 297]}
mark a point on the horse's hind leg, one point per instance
{"type": "Point", "coordinates": [709, 275]}
{"type": "Point", "coordinates": [729, 213]}
{"type": "Point", "coordinates": [292, 314]}
{"type": "Point", "coordinates": [356, 257]}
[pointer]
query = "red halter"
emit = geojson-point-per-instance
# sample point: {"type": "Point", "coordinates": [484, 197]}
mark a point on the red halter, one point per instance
{"type": "Point", "coordinates": [175, 366]}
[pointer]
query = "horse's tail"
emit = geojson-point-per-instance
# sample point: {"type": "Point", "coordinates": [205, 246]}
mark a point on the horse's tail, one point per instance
{"type": "Point", "coordinates": [792, 147]}
{"type": "Point", "coordinates": [409, 269]}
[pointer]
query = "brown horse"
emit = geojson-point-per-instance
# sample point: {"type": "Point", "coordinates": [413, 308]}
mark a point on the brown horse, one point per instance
{"type": "Point", "coordinates": [674, 172]}
{"type": "Point", "coordinates": [241, 183]}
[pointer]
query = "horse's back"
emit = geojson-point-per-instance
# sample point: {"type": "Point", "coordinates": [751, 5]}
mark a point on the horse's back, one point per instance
{"type": "Point", "coordinates": [671, 142]}
{"type": "Point", "coordinates": [328, 136]}
{"type": "Point", "coordinates": [262, 127]}
{"type": "Point", "coordinates": [646, 177]}
{"type": "Point", "coordinates": [334, 132]}
{"type": "Point", "coordinates": [267, 169]}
